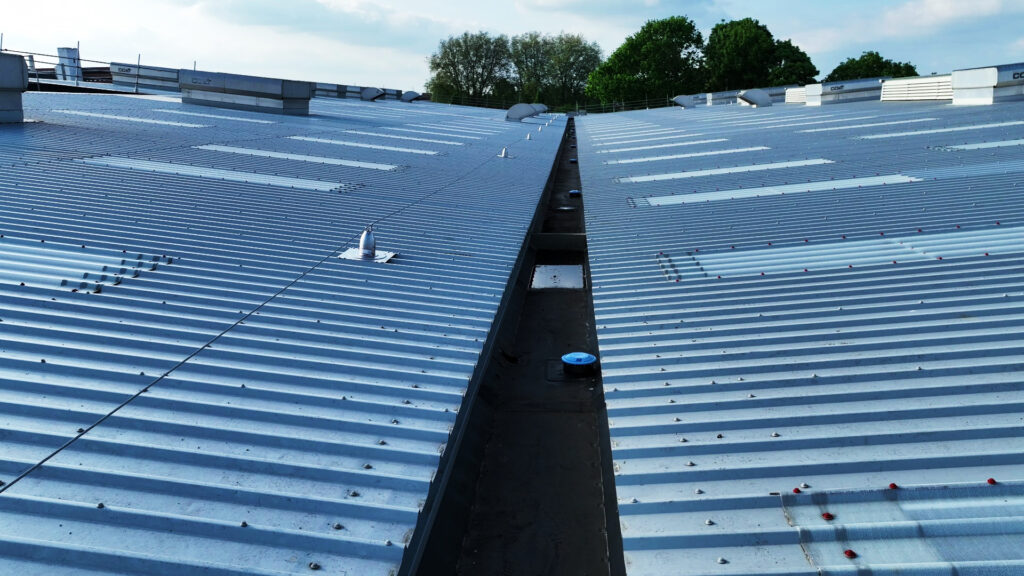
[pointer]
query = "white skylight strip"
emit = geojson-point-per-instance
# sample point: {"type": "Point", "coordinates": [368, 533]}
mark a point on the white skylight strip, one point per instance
{"type": "Point", "coordinates": [298, 157]}
{"type": "Point", "coordinates": [833, 121]}
{"type": "Point", "coordinates": [217, 116]}
{"type": "Point", "coordinates": [360, 145]}
{"type": "Point", "coordinates": [872, 125]}
{"type": "Point", "coordinates": [455, 129]}
{"type": "Point", "coordinates": [691, 155]}
{"type": "Point", "coordinates": [434, 133]}
{"type": "Point", "coordinates": [397, 137]}
{"type": "Point", "coordinates": [610, 139]}
{"type": "Point", "coordinates": [784, 189]}
{"type": "Point", "coordinates": [131, 119]}
{"type": "Point", "coordinates": [759, 121]}
{"type": "Point", "coordinates": [657, 146]}
{"type": "Point", "coordinates": [604, 131]}
{"type": "Point", "coordinates": [731, 170]}
{"type": "Point", "coordinates": [942, 130]}
{"type": "Point", "coordinates": [674, 136]}
{"type": "Point", "coordinates": [212, 173]}
{"type": "Point", "coordinates": [984, 145]}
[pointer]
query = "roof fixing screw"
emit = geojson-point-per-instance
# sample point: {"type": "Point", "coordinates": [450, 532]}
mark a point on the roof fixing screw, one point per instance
{"type": "Point", "coordinates": [992, 481]}
{"type": "Point", "coordinates": [81, 430]}
{"type": "Point", "coordinates": [337, 526]}
{"type": "Point", "coordinates": [698, 491]}
{"type": "Point", "coordinates": [775, 434]}
{"type": "Point", "coordinates": [690, 463]}
{"type": "Point", "coordinates": [805, 485]}
{"type": "Point", "coordinates": [314, 566]}
{"type": "Point", "coordinates": [828, 516]}
{"type": "Point", "coordinates": [893, 486]}
{"type": "Point", "coordinates": [683, 440]}
{"type": "Point", "coordinates": [244, 524]}
{"type": "Point", "coordinates": [849, 553]}
{"type": "Point", "coordinates": [722, 560]}
{"type": "Point", "coordinates": [709, 522]}
{"type": "Point", "coordinates": [100, 505]}
{"type": "Point", "coordinates": [388, 543]}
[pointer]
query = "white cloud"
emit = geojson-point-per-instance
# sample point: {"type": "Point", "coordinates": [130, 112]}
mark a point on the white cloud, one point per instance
{"type": "Point", "coordinates": [919, 17]}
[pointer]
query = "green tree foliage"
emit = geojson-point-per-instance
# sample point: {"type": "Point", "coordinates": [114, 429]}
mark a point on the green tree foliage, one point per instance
{"type": "Point", "coordinates": [740, 54]}
{"type": "Point", "coordinates": [743, 54]}
{"type": "Point", "coordinates": [870, 65]}
{"type": "Point", "coordinates": [470, 65]}
{"type": "Point", "coordinates": [572, 61]}
{"type": "Point", "coordinates": [663, 59]}
{"type": "Point", "coordinates": [531, 63]}
{"type": "Point", "coordinates": [792, 66]}
{"type": "Point", "coordinates": [531, 67]}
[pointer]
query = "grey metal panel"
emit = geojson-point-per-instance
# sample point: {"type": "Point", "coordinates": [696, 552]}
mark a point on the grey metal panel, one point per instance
{"type": "Point", "coordinates": [251, 376]}
{"type": "Point", "coordinates": [771, 357]}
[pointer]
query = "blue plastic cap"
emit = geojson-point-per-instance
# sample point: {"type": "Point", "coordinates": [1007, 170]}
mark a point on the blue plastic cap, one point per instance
{"type": "Point", "coordinates": [579, 358]}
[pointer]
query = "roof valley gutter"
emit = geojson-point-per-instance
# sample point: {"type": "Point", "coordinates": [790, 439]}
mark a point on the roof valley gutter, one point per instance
{"type": "Point", "coordinates": [470, 498]}
{"type": "Point", "coordinates": [438, 536]}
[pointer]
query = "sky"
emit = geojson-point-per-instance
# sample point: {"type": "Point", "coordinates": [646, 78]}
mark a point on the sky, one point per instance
{"type": "Point", "coordinates": [386, 43]}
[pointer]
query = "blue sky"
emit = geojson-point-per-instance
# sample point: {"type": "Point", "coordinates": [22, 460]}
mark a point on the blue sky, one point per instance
{"type": "Point", "coordinates": [387, 42]}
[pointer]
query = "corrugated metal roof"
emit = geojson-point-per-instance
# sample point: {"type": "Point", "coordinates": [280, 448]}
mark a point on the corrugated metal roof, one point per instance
{"type": "Point", "coordinates": [779, 346]}
{"type": "Point", "coordinates": [191, 380]}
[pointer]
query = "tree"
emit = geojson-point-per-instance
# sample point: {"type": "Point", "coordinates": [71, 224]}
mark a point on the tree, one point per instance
{"type": "Point", "coordinates": [471, 65]}
{"type": "Point", "coordinates": [792, 66]}
{"type": "Point", "coordinates": [572, 61]}
{"type": "Point", "coordinates": [663, 59]}
{"type": "Point", "coordinates": [531, 62]}
{"type": "Point", "coordinates": [870, 65]}
{"type": "Point", "coordinates": [740, 54]}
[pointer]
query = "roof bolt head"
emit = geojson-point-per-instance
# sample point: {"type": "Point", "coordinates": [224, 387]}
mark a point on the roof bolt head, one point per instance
{"type": "Point", "coordinates": [337, 526]}
{"type": "Point", "coordinates": [805, 485]}
{"type": "Point", "coordinates": [719, 436]}
{"type": "Point", "coordinates": [796, 490]}
{"type": "Point", "coordinates": [751, 396]}
{"type": "Point", "coordinates": [314, 566]}
{"type": "Point", "coordinates": [634, 501]}
{"type": "Point", "coordinates": [775, 434]}
{"type": "Point", "coordinates": [698, 491]}
{"type": "Point", "coordinates": [849, 553]}
{"type": "Point", "coordinates": [244, 524]}
{"type": "Point", "coordinates": [709, 522]}
{"type": "Point", "coordinates": [828, 516]}
{"type": "Point", "coordinates": [683, 440]}
{"type": "Point", "coordinates": [722, 560]}
{"type": "Point", "coordinates": [81, 430]}
{"type": "Point", "coordinates": [368, 466]}
{"type": "Point", "coordinates": [690, 463]}
{"type": "Point", "coordinates": [992, 481]}
{"type": "Point", "coordinates": [677, 419]}
{"type": "Point", "coordinates": [100, 506]}
{"type": "Point", "coordinates": [893, 486]}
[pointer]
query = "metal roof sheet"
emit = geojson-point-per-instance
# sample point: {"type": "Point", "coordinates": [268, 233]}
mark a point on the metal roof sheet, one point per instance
{"type": "Point", "coordinates": [191, 380]}
{"type": "Point", "coordinates": [778, 345]}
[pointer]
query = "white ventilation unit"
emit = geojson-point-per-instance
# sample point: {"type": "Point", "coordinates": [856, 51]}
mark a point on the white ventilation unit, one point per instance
{"type": "Point", "coordinates": [921, 88]}
{"type": "Point", "coordinates": [796, 95]}
{"type": "Point", "coordinates": [989, 85]}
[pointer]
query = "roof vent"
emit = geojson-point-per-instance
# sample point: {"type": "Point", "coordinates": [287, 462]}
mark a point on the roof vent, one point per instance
{"type": "Point", "coordinates": [755, 97]}
{"type": "Point", "coordinates": [13, 81]}
{"type": "Point", "coordinates": [367, 244]}
{"type": "Point", "coordinates": [367, 250]}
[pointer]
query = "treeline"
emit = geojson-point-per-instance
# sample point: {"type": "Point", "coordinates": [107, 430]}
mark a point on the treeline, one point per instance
{"type": "Point", "coordinates": [665, 58]}
{"type": "Point", "coordinates": [533, 67]}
